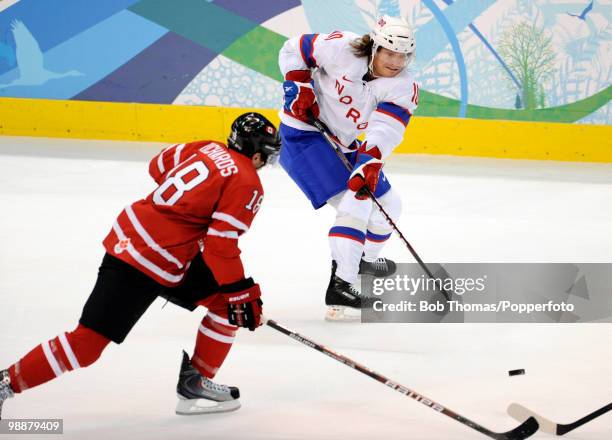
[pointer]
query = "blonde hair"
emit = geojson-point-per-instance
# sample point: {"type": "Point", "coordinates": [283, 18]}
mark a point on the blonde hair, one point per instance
{"type": "Point", "coordinates": [362, 46]}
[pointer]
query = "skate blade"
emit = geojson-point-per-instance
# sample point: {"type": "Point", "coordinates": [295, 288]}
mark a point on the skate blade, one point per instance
{"type": "Point", "coordinates": [192, 407]}
{"type": "Point", "coordinates": [342, 314]}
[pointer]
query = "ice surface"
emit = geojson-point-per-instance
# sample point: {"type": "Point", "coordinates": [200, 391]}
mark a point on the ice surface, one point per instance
{"type": "Point", "coordinates": [58, 199]}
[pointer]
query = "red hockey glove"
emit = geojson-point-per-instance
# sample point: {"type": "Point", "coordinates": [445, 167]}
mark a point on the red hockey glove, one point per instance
{"type": "Point", "coordinates": [243, 303]}
{"type": "Point", "coordinates": [299, 95]}
{"type": "Point", "coordinates": [366, 171]}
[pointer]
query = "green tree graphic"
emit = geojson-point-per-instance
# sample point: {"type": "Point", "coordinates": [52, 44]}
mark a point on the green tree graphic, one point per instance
{"type": "Point", "coordinates": [528, 53]}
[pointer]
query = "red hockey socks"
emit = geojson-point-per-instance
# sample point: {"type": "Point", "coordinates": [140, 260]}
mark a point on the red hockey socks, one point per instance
{"type": "Point", "coordinates": [68, 351]}
{"type": "Point", "coordinates": [214, 340]}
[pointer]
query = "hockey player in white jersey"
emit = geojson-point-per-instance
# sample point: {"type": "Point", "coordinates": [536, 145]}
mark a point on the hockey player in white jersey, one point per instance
{"type": "Point", "coordinates": [354, 85]}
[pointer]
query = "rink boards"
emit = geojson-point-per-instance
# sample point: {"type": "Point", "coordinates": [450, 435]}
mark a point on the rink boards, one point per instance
{"type": "Point", "coordinates": [177, 123]}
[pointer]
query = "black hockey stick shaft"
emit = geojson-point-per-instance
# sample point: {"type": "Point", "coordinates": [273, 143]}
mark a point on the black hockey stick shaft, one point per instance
{"type": "Point", "coordinates": [563, 429]}
{"type": "Point", "coordinates": [524, 430]}
{"type": "Point", "coordinates": [328, 137]}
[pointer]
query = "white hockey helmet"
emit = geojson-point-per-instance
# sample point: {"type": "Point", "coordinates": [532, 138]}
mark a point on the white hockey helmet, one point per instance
{"type": "Point", "coordinates": [395, 34]}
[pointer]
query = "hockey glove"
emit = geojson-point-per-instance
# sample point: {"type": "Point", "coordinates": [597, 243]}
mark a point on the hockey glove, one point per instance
{"type": "Point", "coordinates": [243, 303]}
{"type": "Point", "coordinates": [366, 171]}
{"type": "Point", "coordinates": [299, 95]}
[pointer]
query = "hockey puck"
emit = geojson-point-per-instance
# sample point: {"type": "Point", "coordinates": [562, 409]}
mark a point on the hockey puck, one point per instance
{"type": "Point", "coordinates": [516, 372]}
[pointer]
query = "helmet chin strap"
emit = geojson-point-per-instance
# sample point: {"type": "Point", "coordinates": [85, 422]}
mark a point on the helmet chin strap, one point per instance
{"type": "Point", "coordinates": [371, 65]}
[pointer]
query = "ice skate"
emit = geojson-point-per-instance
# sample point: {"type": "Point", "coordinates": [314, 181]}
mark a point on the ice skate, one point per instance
{"type": "Point", "coordinates": [199, 395]}
{"type": "Point", "coordinates": [343, 299]}
{"type": "Point", "coordinates": [381, 267]}
{"type": "Point", "coordinates": [5, 388]}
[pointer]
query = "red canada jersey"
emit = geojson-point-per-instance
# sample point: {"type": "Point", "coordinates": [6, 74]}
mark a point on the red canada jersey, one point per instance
{"type": "Point", "coordinates": [207, 197]}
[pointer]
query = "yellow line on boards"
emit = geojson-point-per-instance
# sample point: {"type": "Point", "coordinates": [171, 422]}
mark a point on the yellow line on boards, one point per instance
{"type": "Point", "coordinates": [179, 123]}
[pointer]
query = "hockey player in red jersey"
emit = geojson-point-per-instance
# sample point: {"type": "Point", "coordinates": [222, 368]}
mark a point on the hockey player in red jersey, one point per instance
{"type": "Point", "coordinates": [181, 243]}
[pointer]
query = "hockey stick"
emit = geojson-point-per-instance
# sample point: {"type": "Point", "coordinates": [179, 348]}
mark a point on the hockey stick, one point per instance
{"type": "Point", "coordinates": [332, 143]}
{"type": "Point", "coordinates": [524, 430]}
{"type": "Point", "coordinates": [520, 413]}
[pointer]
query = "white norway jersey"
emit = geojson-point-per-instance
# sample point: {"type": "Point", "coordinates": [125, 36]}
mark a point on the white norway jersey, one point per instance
{"type": "Point", "coordinates": [349, 105]}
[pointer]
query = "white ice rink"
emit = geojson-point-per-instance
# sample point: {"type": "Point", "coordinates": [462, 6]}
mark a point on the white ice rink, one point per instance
{"type": "Point", "coordinates": [58, 199]}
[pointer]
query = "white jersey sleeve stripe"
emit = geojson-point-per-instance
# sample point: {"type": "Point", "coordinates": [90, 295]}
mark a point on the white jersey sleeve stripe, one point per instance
{"type": "Point", "coordinates": [225, 234]}
{"type": "Point", "coordinates": [143, 261]}
{"type": "Point", "coordinates": [231, 220]}
{"type": "Point", "coordinates": [177, 154]}
{"type": "Point", "coordinates": [177, 166]}
{"type": "Point", "coordinates": [160, 159]}
{"type": "Point", "coordinates": [148, 239]}
{"type": "Point", "coordinates": [74, 363]}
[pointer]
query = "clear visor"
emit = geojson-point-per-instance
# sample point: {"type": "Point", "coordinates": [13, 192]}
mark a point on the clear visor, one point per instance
{"type": "Point", "coordinates": [271, 154]}
{"type": "Point", "coordinates": [272, 159]}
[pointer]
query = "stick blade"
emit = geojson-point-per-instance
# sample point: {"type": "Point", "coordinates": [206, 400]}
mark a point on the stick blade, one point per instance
{"type": "Point", "coordinates": [524, 430]}
{"type": "Point", "coordinates": [521, 413]}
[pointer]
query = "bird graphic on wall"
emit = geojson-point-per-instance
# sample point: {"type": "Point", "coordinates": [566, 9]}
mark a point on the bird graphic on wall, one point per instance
{"type": "Point", "coordinates": [7, 54]}
{"type": "Point", "coordinates": [30, 59]}
{"type": "Point", "coordinates": [584, 13]}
